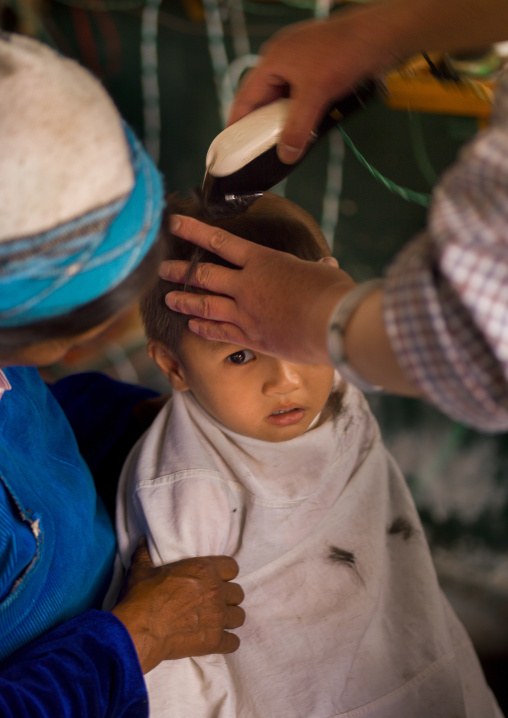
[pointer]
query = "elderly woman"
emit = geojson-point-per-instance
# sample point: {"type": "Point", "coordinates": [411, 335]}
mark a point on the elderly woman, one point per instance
{"type": "Point", "coordinates": [81, 205]}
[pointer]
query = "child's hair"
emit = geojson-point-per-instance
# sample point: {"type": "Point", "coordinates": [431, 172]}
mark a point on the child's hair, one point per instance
{"type": "Point", "coordinates": [272, 222]}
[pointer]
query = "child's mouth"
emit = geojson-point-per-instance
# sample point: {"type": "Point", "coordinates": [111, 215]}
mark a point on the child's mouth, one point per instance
{"type": "Point", "coordinates": [287, 417]}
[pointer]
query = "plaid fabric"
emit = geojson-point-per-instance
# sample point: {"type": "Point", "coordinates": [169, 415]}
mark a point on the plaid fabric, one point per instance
{"type": "Point", "coordinates": [446, 296]}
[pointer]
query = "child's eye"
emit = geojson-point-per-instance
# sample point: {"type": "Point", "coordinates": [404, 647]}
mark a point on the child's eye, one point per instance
{"type": "Point", "coordinates": [241, 357]}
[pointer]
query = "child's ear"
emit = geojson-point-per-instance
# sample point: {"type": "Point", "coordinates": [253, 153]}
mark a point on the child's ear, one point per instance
{"type": "Point", "coordinates": [168, 363]}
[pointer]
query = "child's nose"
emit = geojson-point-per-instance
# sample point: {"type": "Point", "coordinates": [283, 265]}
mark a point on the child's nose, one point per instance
{"type": "Point", "coordinates": [283, 378]}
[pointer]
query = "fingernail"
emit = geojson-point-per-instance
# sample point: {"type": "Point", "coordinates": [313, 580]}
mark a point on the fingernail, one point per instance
{"type": "Point", "coordinates": [163, 270]}
{"type": "Point", "coordinates": [175, 223]}
{"type": "Point", "coordinates": [288, 154]}
{"type": "Point", "coordinates": [329, 260]}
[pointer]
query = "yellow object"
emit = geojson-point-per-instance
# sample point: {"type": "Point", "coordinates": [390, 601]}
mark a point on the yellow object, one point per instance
{"type": "Point", "coordinates": [413, 87]}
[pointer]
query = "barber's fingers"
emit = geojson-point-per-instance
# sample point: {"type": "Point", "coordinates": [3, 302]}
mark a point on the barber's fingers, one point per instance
{"type": "Point", "coordinates": [306, 109]}
{"type": "Point", "coordinates": [259, 87]}
{"type": "Point", "coordinates": [212, 277]}
{"type": "Point", "coordinates": [206, 306]}
{"type": "Point", "coordinates": [174, 270]}
{"type": "Point", "coordinates": [222, 332]}
{"type": "Point", "coordinates": [226, 245]}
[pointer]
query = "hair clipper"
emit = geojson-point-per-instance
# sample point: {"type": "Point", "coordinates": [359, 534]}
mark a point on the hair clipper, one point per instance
{"type": "Point", "coordinates": [242, 161]}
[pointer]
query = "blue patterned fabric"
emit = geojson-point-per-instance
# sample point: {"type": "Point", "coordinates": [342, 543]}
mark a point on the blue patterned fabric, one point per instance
{"type": "Point", "coordinates": [50, 274]}
{"type": "Point", "coordinates": [17, 546]}
{"type": "Point", "coordinates": [85, 668]}
{"type": "Point", "coordinates": [52, 492]}
{"type": "Point", "coordinates": [56, 550]}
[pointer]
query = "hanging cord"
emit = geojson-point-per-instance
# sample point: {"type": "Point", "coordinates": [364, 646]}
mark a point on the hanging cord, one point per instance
{"type": "Point", "coordinates": [218, 56]}
{"type": "Point", "coordinates": [333, 190]}
{"type": "Point", "coordinates": [241, 42]}
{"type": "Point", "coordinates": [322, 9]}
{"type": "Point", "coordinates": [408, 194]}
{"type": "Point", "coordinates": [150, 78]}
{"type": "Point", "coordinates": [264, 8]}
{"type": "Point", "coordinates": [244, 59]}
{"type": "Point", "coordinates": [330, 212]}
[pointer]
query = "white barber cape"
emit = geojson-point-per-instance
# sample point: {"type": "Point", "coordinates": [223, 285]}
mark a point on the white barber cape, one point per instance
{"type": "Point", "coordinates": [344, 613]}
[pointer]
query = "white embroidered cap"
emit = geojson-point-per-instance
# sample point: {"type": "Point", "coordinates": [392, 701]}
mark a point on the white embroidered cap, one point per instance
{"type": "Point", "coordinates": [63, 149]}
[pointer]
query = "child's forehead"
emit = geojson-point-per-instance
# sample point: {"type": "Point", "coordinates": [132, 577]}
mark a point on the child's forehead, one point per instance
{"type": "Point", "coordinates": [193, 342]}
{"type": "Point", "coordinates": [214, 346]}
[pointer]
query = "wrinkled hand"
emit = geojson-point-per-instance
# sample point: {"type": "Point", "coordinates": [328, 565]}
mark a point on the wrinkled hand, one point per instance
{"type": "Point", "coordinates": [315, 62]}
{"type": "Point", "coordinates": [181, 609]}
{"type": "Point", "coordinates": [275, 303]}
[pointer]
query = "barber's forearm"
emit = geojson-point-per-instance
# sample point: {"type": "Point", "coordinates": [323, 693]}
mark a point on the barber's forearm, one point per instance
{"type": "Point", "coordinates": [368, 349]}
{"type": "Point", "coordinates": [457, 24]}
{"type": "Point", "coordinates": [452, 25]}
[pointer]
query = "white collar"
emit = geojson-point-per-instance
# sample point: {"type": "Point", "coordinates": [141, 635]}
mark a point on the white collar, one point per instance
{"type": "Point", "coordinates": [298, 463]}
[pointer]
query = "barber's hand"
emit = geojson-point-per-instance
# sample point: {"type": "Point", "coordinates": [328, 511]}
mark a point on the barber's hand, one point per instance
{"type": "Point", "coordinates": [182, 609]}
{"type": "Point", "coordinates": [275, 303]}
{"type": "Point", "coordinates": [315, 63]}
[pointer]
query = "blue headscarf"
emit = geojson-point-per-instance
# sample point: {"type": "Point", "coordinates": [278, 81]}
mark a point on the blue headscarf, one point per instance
{"type": "Point", "coordinates": [50, 274]}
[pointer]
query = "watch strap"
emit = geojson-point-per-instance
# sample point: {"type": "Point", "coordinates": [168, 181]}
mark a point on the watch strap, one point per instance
{"type": "Point", "coordinates": [340, 318]}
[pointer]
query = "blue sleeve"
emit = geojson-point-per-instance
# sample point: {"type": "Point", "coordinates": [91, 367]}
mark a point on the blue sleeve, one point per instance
{"type": "Point", "coordinates": [17, 543]}
{"type": "Point", "coordinates": [86, 667]}
{"type": "Point", "coordinates": [100, 412]}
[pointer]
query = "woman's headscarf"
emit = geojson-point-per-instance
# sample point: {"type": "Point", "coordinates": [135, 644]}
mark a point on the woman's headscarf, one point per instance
{"type": "Point", "coordinates": [80, 200]}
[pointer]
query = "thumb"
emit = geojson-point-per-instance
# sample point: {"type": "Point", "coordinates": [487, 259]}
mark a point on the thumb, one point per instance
{"type": "Point", "coordinates": [258, 87]}
{"type": "Point", "coordinates": [332, 261]}
{"type": "Point", "coordinates": [304, 114]}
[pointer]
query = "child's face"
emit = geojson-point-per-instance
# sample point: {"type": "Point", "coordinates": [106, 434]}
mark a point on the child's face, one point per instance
{"type": "Point", "coordinates": [253, 394]}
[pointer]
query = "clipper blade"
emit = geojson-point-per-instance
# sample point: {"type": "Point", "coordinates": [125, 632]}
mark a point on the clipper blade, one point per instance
{"type": "Point", "coordinates": [215, 203]}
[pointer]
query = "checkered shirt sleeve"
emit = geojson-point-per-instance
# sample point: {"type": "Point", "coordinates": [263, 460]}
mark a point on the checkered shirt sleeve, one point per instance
{"type": "Point", "coordinates": [446, 294]}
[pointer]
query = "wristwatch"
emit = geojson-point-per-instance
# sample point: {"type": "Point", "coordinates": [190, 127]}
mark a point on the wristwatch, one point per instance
{"type": "Point", "coordinates": [341, 316]}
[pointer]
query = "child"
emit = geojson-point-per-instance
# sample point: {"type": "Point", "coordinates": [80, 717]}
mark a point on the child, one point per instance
{"type": "Point", "coordinates": [282, 466]}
